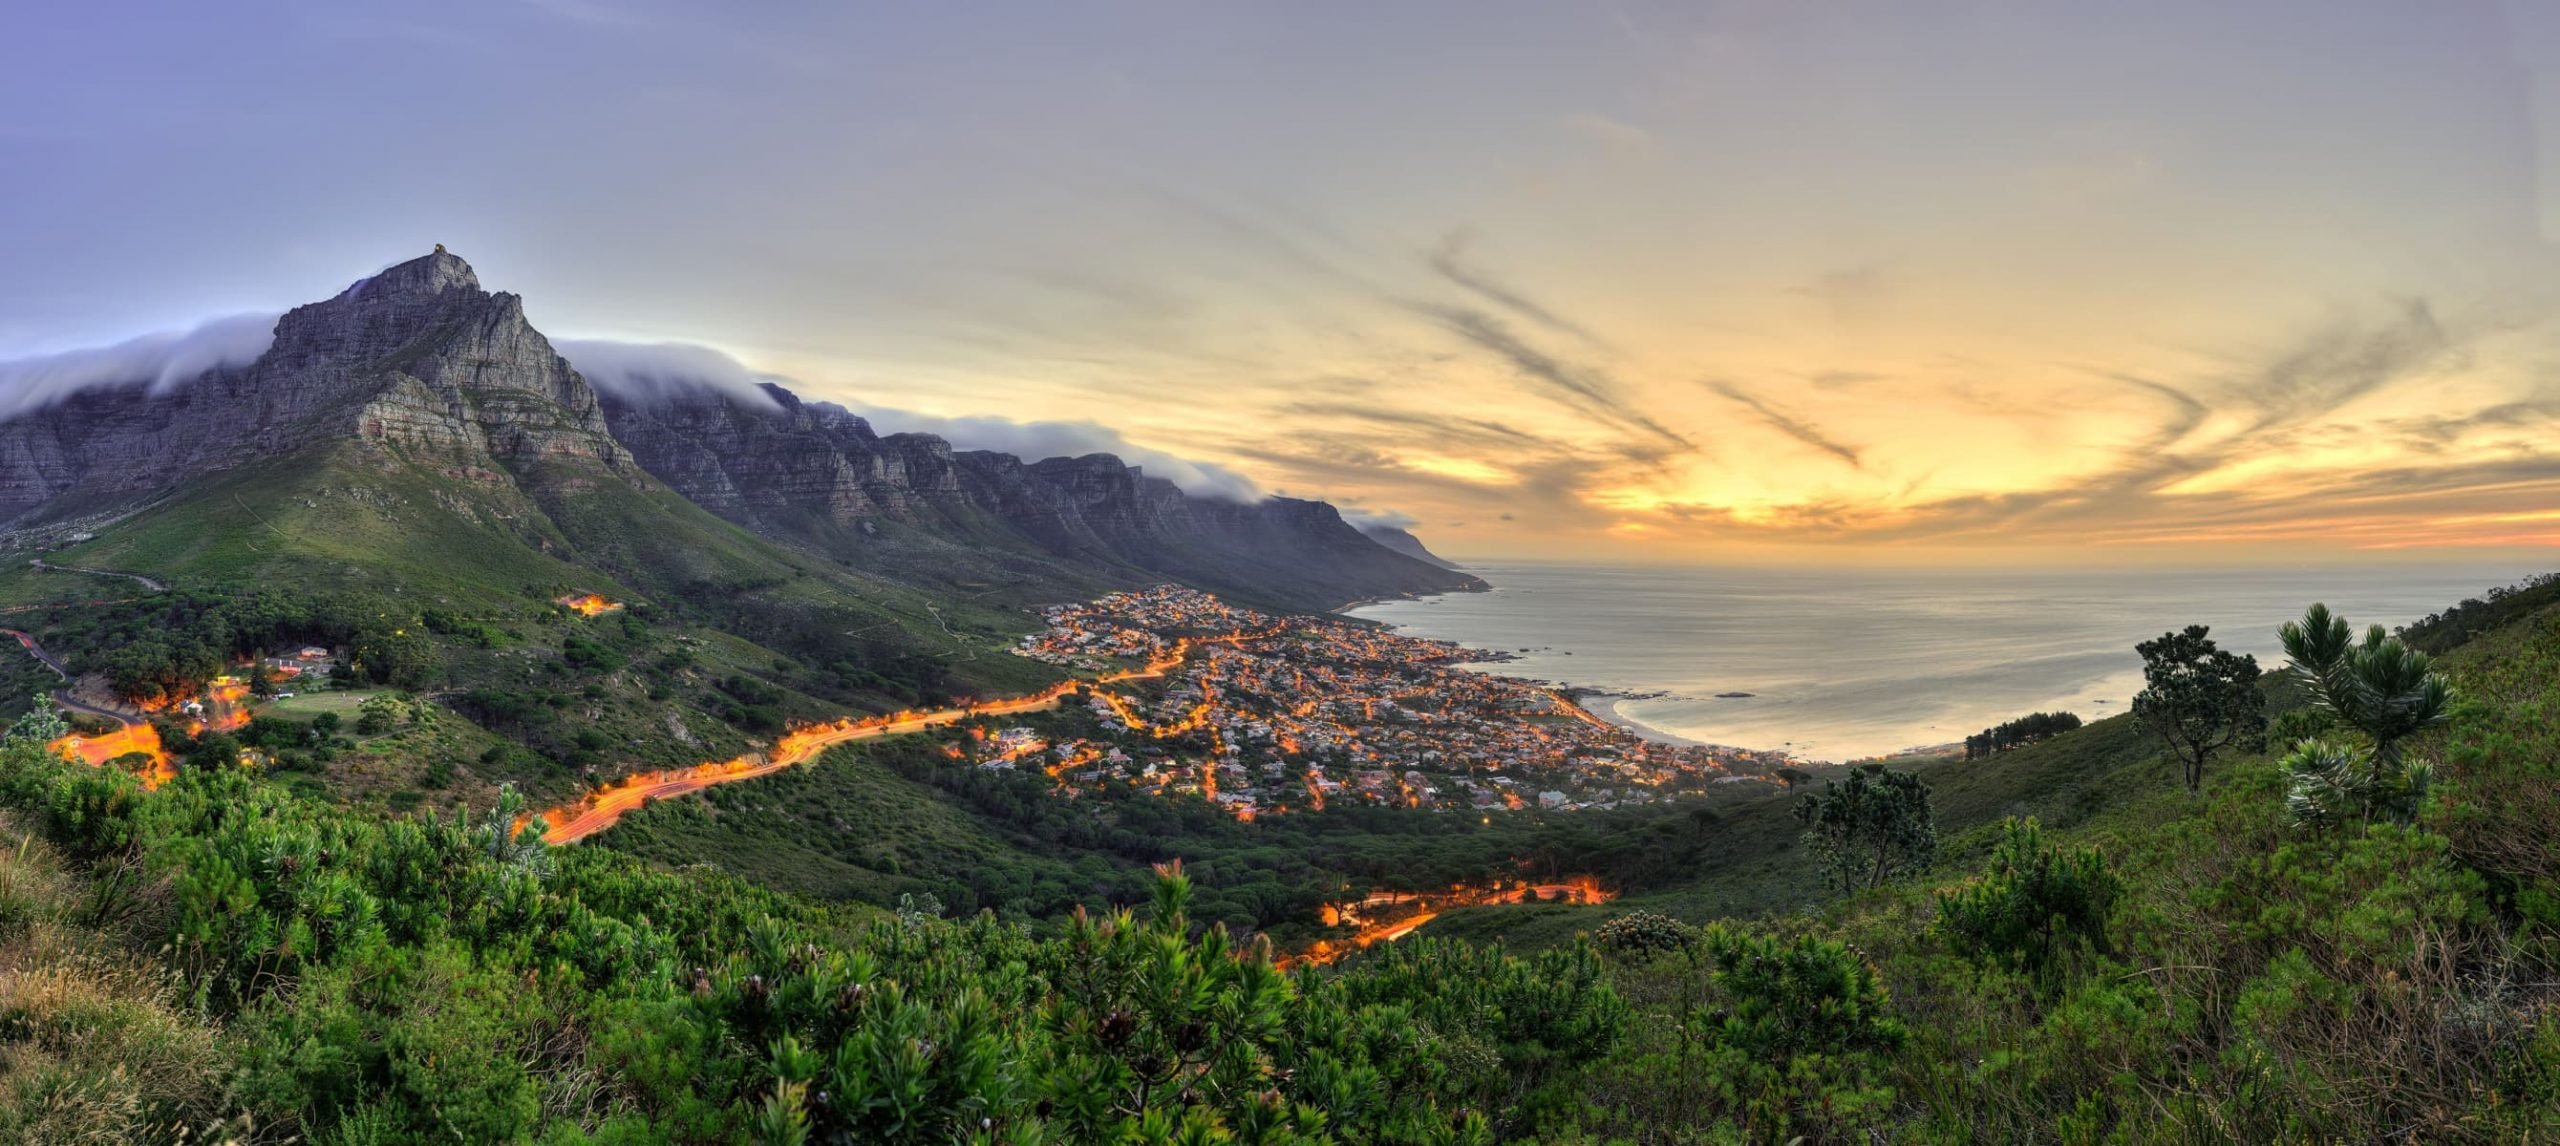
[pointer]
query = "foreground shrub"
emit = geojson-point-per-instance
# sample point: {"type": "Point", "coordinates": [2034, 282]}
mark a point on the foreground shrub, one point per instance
{"type": "Point", "coordinates": [1787, 998]}
{"type": "Point", "coordinates": [1869, 827]}
{"type": "Point", "coordinates": [2034, 902]}
{"type": "Point", "coordinates": [1645, 931]}
{"type": "Point", "coordinates": [454, 980]}
{"type": "Point", "coordinates": [96, 1045]}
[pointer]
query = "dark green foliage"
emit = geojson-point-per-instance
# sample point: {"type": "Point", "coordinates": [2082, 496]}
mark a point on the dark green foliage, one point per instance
{"type": "Point", "coordinates": [1870, 827]}
{"type": "Point", "coordinates": [590, 656]}
{"type": "Point", "coordinates": [2198, 699]}
{"type": "Point", "coordinates": [2034, 902]}
{"type": "Point", "coordinates": [2380, 688]}
{"type": "Point", "coordinates": [2024, 730]}
{"type": "Point", "coordinates": [1645, 931]}
{"type": "Point", "coordinates": [2443, 632]}
{"type": "Point", "coordinates": [169, 645]}
{"type": "Point", "coordinates": [214, 750]}
{"type": "Point", "coordinates": [456, 980]}
{"type": "Point", "coordinates": [1806, 996]}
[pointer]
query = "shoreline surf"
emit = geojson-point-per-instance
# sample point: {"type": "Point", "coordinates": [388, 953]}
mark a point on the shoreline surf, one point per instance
{"type": "Point", "coordinates": [1840, 666]}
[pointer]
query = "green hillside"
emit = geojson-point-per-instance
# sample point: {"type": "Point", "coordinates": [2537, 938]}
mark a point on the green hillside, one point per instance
{"type": "Point", "coordinates": [1748, 863]}
{"type": "Point", "coordinates": [2187, 969]}
{"type": "Point", "coordinates": [437, 580]}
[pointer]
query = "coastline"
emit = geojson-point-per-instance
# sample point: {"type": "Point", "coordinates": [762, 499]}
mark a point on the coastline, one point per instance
{"type": "Point", "coordinates": [1344, 610]}
{"type": "Point", "coordinates": [1605, 706]}
{"type": "Point", "coordinates": [1599, 703]}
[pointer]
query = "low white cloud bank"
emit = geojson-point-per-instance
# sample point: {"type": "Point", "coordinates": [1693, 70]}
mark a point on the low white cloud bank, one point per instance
{"type": "Point", "coordinates": [646, 372]}
{"type": "Point", "coordinates": [1366, 519]}
{"type": "Point", "coordinates": [649, 373]}
{"type": "Point", "coordinates": [163, 361]}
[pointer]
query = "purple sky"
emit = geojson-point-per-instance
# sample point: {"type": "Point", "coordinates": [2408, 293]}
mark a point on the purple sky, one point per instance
{"type": "Point", "coordinates": [1667, 278]}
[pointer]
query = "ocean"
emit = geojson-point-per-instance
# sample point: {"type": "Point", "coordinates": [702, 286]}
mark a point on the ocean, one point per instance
{"type": "Point", "coordinates": [1842, 665]}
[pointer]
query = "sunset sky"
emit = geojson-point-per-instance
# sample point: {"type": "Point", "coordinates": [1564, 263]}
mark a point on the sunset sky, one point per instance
{"type": "Point", "coordinates": [1877, 280]}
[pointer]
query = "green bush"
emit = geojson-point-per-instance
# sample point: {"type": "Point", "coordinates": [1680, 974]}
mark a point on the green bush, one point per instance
{"type": "Point", "coordinates": [1645, 931]}
{"type": "Point", "coordinates": [2033, 902]}
{"type": "Point", "coordinates": [1787, 998]}
{"type": "Point", "coordinates": [453, 979]}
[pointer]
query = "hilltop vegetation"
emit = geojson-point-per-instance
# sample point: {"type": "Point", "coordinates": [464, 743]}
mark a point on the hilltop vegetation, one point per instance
{"type": "Point", "coordinates": [335, 978]}
{"type": "Point", "coordinates": [2355, 943]}
{"type": "Point", "coordinates": [885, 818]}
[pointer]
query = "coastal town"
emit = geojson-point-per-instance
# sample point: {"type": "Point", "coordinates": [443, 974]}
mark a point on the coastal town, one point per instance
{"type": "Point", "coordinates": [1268, 715]}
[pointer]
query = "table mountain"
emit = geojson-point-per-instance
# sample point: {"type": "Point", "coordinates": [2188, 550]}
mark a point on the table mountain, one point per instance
{"type": "Point", "coordinates": [818, 474]}
{"type": "Point", "coordinates": [415, 390]}
{"type": "Point", "coordinates": [417, 356]}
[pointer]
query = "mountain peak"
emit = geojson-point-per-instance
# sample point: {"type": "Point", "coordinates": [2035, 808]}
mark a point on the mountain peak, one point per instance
{"type": "Point", "coordinates": [426, 276]}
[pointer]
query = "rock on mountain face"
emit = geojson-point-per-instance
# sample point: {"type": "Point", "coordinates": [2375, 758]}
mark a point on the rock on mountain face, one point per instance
{"type": "Point", "coordinates": [816, 473]}
{"type": "Point", "coordinates": [418, 364]}
{"type": "Point", "coordinates": [1403, 541]}
{"type": "Point", "coordinates": [417, 356]}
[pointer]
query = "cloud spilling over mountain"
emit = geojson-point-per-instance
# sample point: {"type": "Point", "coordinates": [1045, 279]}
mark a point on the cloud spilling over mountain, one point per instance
{"type": "Point", "coordinates": [420, 372]}
{"type": "Point", "coordinates": [1368, 518]}
{"type": "Point", "coordinates": [163, 361]}
{"type": "Point", "coordinates": [649, 373]}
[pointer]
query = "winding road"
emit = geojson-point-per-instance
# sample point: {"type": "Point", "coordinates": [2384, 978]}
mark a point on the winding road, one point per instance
{"type": "Point", "coordinates": [62, 696]}
{"type": "Point", "coordinates": [28, 641]}
{"type": "Point", "coordinates": [152, 583]}
{"type": "Point", "coordinates": [570, 823]}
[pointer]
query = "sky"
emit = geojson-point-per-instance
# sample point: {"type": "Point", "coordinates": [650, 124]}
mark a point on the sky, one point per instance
{"type": "Point", "coordinates": [1871, 281]}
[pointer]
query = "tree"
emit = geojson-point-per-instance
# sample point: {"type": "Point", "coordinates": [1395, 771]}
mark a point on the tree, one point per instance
{"type": "Point", "coordinates": [1786, 998]}
{"type": "Point", "coordinates": [2200, 699]}
{"type": "Point", "coordinates": [1870, 827]}
{"type": "Point", "coordinates": [2032, 901]}
{"type": "Point", "coordinates": [41, 724]}
{"type": "Point", "coordinates": [2381, 688]}
{"type": "Point", "coordinates": [215, 751]}
{"type": "Point", "coordinates": [377, 715]}
{"type": "Point", "coordinates": [2018, 733]}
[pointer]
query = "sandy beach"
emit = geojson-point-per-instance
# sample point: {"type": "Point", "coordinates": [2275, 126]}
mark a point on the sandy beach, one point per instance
{"type": "Point", "coordinates": [1605, 706]}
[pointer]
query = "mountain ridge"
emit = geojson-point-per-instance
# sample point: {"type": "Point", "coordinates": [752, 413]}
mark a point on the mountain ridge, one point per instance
{"type": "Point", "coordinates": [418, 363]}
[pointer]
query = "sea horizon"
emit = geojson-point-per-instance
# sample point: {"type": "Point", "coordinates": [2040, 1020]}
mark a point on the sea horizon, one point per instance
{"type": "Point", "coordinates": [1841, 665]}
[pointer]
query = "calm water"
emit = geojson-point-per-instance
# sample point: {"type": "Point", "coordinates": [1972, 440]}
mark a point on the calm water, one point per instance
{"type": "Point", "coordinates": [1844, 665]}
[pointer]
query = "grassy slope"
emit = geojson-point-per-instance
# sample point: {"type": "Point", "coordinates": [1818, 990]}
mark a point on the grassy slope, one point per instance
{"type": "Point", "coordinates": [845, 828]}
{"type": "Point", "coordinates": [99, 1045]}
{"type": "Point", "coordinates": [1752, 864]}
{"type": "Point", "coordinates": [318, 520]}
{"type": "Point", "coordinates": [2264, 981]}
{"type": "Point", "coordinates": [722, 604]}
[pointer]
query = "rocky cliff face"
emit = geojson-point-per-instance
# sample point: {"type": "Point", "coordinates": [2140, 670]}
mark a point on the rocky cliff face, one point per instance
{"type": "Point", "coordinates": [417, 356]}
{"type": "Point", "coordinates": [776, 463]}
{"type": "Point", "coordinates": [1404, 542]}
{"type": "Point", "coordinates": [419, 362]}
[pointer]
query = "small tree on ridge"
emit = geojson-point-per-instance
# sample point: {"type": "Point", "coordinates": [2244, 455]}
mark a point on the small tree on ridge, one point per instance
{"type": "Point", "coordinates": [2200, 699]}
{"type": "Point", "coordinates": [2381, 688]}
{"type": "Point", "coordinates": [1870, 827]}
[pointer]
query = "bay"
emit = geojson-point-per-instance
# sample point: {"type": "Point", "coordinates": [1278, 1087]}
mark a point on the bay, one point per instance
{"type": "Point", "coordinates": [1844, 664]}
